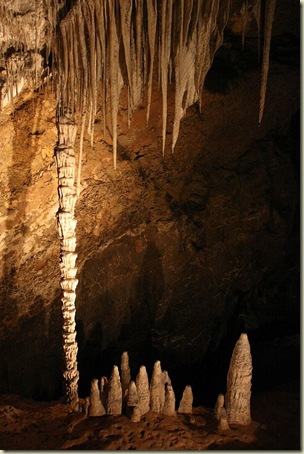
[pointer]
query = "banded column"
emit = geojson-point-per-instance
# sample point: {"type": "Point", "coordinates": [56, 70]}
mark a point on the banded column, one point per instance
{"type": "Point", "coordinates": [66, 170]}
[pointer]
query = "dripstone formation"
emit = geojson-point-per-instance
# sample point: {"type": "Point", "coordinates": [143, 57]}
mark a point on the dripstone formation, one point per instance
{"type": "Point", "coordinates": [140, 397]}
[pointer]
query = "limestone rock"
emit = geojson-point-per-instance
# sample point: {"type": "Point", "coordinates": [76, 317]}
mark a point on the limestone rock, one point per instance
{"type": "Point", "coordinates": [114, 399]}
{"type": "Point", "coordinates": [157, 389]}
{"type": "Point", "coordinates": [186, 402]}
{"type": "Point", "coordinates": [125, 371]}
{"type": "Point", "coordinates": [223, 420]}
{"type": "Point", "coordinates": [132, 398]}
{"type": "Point", "coordinates": [135, 415]}
{"type": "Point", "coordinates": [143, 392]}
{"type": "Point", "coordinates": [169, 406]}
{"type": "Point", "coordinates": [239, 383]}
{"type": "Point", "coordinates": [95, 408]}
{"type": "Point", "coordinates": [103, 390]}
{"type": "Point", "coordinates": [219, 405]}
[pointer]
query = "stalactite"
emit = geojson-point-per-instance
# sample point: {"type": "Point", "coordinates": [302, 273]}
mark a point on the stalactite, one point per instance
{"type": "Point", "coordinates": [152, 24]}
{"type": "Point", "coordinates": [166, 23]}
{"type": "Point", "coordinates": [65, 161]}
{"type": "Point", "coordinates": [269, 17]}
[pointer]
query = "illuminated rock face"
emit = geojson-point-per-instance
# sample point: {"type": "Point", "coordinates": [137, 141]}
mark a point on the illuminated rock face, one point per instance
{"type": "Point", "coordinates": [95, 408]}
{"type": "Point", "coordinates": [114, 399]}
{"type": "Point", "coordinates": [142, 385]}
{"type": "Point", "coordinates": [239, 383]}
{"type": "Point", "coordinates": [186, 402]}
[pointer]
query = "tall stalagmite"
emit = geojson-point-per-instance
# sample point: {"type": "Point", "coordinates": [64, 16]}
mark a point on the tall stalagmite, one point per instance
{"type": "Point", "coordinates": [65, 161]}
{"type": "Point", "coordinates": [239, 383]}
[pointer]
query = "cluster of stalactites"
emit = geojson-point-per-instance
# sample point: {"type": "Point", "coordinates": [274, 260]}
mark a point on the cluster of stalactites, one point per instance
{"type": "Point", "coordinates": [101, 45]}
{"type": "Point", "coordinates": [120, 394]}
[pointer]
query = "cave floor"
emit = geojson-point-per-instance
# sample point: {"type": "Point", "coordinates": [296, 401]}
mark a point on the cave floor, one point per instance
{"type": "Point", "coordinates": [26, 424]}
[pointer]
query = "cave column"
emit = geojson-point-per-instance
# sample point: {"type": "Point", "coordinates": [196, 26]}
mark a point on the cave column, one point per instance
{"type": "Point", "coordinates": [67, 194]}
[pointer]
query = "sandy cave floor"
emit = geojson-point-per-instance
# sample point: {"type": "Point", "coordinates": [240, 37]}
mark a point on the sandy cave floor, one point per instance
{"type": "Point", "coordinates": [27, 425]}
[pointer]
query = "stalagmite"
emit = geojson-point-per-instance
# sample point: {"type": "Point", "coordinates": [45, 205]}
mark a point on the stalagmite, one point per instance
{"type": "Point", "coordinates": [125, 371]}
{"type": "Point", "coordinates": [103, 390]}
{"type": "Point", "coordinates": [142, 385]}
{"type": "Point", "coordinates": [169, 405]}
{"type": "Point", "coordinates": [223, 421]}
{"type": "Point", "coordinates": [136, 415]}
{"type": "Point", "coordinates": [186, 402]}
{"type": "Point", "coordinates": [95, 408]}
{"type": "Point", "coordinates": [114, 398]}
{"type": "Point", "coordinates": [65, 161]}
{"type": "Point", "coordinates": [133, 411]}
{"type": "Point", "coordinates": [219, 405]}
{"type": "Point", "coordinates": [157, 389]}
{"type": "Point", "coordinates": [239, 383]}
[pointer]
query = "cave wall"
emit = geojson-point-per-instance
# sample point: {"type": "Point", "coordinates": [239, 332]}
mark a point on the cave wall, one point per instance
{"type": "Point", "coordinates": [177, 254]}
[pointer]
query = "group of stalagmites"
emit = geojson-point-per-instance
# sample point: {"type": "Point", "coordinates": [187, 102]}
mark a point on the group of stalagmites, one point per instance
{"type": "Point", "coordinates": [120, 394]}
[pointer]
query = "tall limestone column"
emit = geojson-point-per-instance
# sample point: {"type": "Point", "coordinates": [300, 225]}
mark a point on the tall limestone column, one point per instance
{"type": "Point", "coordinates": [66, 170]}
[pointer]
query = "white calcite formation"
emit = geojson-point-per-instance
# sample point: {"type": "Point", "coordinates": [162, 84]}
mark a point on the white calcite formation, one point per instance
{"type": "Point", "coordinates": [239, 383]}
{"type": "Point", "coordinates": [65, 161]}
{"type": "Point", "coordinates": [157, 389]}
{"type": "Point", "coordinates": [103, 390]}
{"type": "Point", "coordinates": [223, 421]}
{"type": "Point", "coordinates": [114, 398]}
{"type": "Point", "coordinates": [169, 405]}
{"type": "Point", "coordinates": [219, 405]}
{"type": "Point", "coordinates": [95, 408]}
{"type": "Point", "coordinates": [143, 391]}
{"type": "Point", "coordinates": [125, 371]}
{"type": "Point", "coordinates": [186, 402]}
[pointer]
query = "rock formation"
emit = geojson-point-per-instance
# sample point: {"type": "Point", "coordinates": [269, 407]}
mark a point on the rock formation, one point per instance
{"type": "Point", "coordinates": [125, 372]}
{"type": "Point", "coordinates": [219, 405]}
{"type": "Point", "coordinates": [65, 161]}
{"type": "Point", "coordinates": [157, 389]}
{"type": "Point", "coordinates": [169, 405]}
{"type": "Point", "coordinates": [143, 391]}
{"type": "Point", "coordinates": [239, 383]}
{"type": "Point", "coordinates": [186, 402]}
{"type": "Point", "coordinates": [114, 398]}
{"type": "Point", "coordinates": [96, 407]}
{"type": "Point", "coordinates": [103, 390]}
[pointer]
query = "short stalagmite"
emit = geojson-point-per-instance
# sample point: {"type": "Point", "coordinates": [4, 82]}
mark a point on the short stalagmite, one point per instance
{"type": "Point", "coordinates": [157, 389]}
{"type": "Point", "coordinates": [125, 371]}
{"type": "Point", "coordinates": [219, 405]}
{"type": "Point", "coordinates": [114, 398]}
{"type": "Point", "coordinates": [239, 383]}
{"type": "Point", "coordinates": [95, 408]}
{"type": "Point", "coordinates": [169, 406]}
{"type": "Point", "coordinates": [142, 385]}
{"type": "Point", "coordinates": [186, 402]}
{"type": "Point", "coordinates": [103, 390]}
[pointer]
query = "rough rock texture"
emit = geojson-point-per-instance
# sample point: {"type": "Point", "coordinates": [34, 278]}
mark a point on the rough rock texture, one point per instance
{"type": "Point", "coordinates": [185, 405]}
{"type": "Point", "coordinates": [157, 389]}
{"type": "Point", "coordinates": [239, 383]}
{"type": "Point", "coordinates": [169, 405]}
{"type": "Point", "coordinates": [96, 407]}
{"type": "Point", "coordinates": [143, 390]}
{"type": "Point", "coordinates": [219, 405]}
{"type": "Point", "coordinates": [125, 372]}
{"type": "Point", "coordinates": [114, 397]}
{"type": "Point", "coordinates": [175, 254]}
